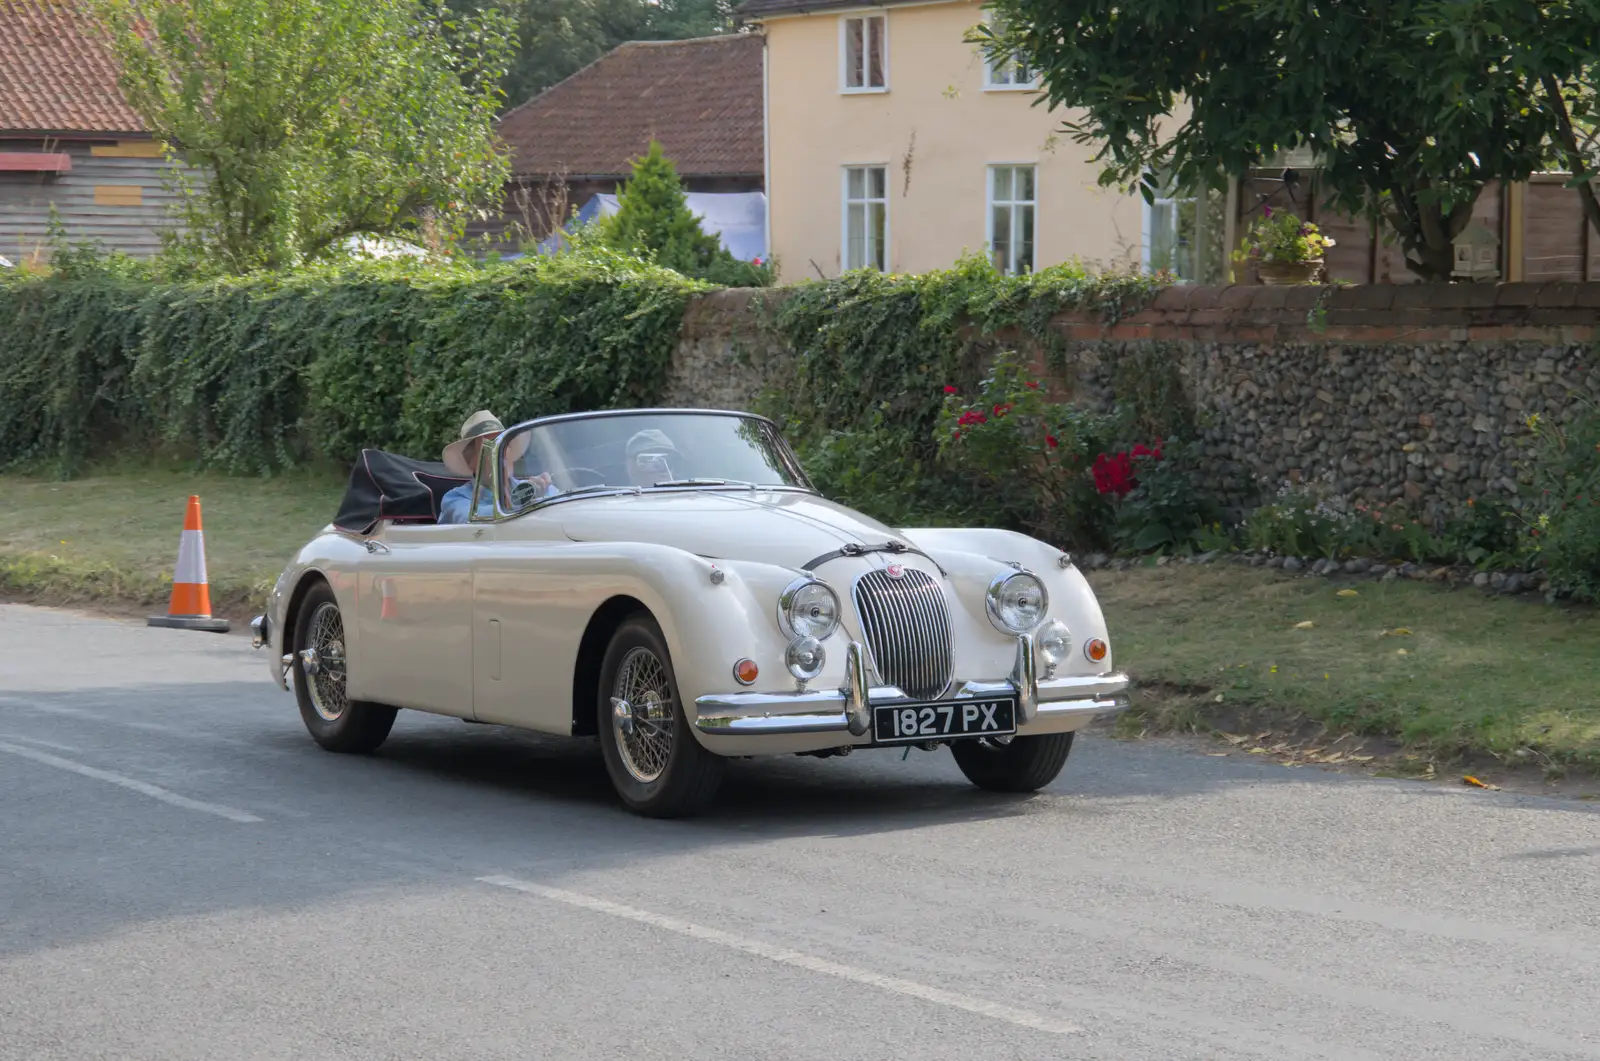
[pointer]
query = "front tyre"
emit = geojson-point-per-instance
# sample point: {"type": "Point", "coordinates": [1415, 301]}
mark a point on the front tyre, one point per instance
{"type": "Point", "coordinates": [1021, 764]}
{"type": "Point", "coordinates": [320, 677]}
{"type": "Point", "coordinates": [655, 763]}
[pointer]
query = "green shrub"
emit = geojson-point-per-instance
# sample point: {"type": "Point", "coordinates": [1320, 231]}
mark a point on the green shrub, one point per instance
{"type": "Point", "coordinates": [1163, 507]}
{"type": "Point", "coordinates": [1305, 521]}
{"type": "Point", "coordinates": [1028, 456]}
{"type": "Point", "coordinates": [267, 371]}
{"type": "Point", "coordinates": [653, 220]}
{"type": "Point", "coordinates": [1563, 514]}
{"type": "Point", "coordinates": [872, 355]}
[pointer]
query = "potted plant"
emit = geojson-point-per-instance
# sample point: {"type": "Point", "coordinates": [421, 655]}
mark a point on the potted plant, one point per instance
{"type": "Point", "coordinates": [1284, 249]}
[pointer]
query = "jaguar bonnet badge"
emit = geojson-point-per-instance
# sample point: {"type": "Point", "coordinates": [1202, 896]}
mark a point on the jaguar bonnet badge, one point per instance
{"type": "Point", "coordinates": [895, 571]}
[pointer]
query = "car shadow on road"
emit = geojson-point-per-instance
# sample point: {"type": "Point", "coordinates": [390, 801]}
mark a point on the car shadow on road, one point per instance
{"type": "Point", "coordinates": [789, 796]}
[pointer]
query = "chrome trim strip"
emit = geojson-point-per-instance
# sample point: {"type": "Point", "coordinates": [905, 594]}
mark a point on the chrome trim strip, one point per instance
{"type": "Point", "coordinates": [850, 709]}
{"type": "Point", "coordinates": [1104, 705]}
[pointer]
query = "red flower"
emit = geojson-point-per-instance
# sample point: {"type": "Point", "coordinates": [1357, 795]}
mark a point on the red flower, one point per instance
{"type": "Point", "coordinates": [1050, 440]}
{"type": "Point", "coordinates": [972, 416]}
{"type": "Point", "coordinates": [1001, 410]}
{"type": "Point", "coordinates": [1113, 474]}
{"type": "Point", "coordinates": [1031, 385]}
{"type": "Point", "coordinates": [949, 390]}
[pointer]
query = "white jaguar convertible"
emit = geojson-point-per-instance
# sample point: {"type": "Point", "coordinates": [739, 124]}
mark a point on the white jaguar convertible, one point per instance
{"type": "Point", "coordinates": [670, 582]}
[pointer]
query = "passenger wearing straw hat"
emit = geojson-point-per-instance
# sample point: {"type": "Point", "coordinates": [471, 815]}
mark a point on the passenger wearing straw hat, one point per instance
{"type": "Point", "coordinates": [461, 458]}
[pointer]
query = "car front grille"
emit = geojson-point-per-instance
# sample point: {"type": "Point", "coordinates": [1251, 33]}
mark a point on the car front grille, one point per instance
{"type": "Point", "coordinates": [907, 628]}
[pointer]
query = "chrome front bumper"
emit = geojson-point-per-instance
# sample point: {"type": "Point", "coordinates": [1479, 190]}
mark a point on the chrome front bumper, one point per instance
{"type": "Point", "coordinates": [1051, 704]}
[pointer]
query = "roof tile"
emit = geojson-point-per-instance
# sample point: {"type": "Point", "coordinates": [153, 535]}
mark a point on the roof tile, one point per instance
{"type": "Point", "coordinates": [701, 98]}
{"type": "Point", "coordinates": [54, 75]}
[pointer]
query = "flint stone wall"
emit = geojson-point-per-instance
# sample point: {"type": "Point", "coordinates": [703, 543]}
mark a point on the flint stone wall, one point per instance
{"type": "Point", "coordinates": [1408, 392]}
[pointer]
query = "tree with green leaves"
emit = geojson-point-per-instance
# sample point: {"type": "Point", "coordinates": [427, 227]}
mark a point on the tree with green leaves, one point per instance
{"type": "Point", "coordinates": [653, 217]}
{"type": "Point", "coordinates": [1411, 106]}
{"type": "Point", "coordinates": [1552, 48]}
{"type": "Point", "coordinates": [312, 120]}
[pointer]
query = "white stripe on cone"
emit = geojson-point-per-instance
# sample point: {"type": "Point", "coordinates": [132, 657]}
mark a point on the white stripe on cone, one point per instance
{"type": "Point", "coordinates": [191, 558]}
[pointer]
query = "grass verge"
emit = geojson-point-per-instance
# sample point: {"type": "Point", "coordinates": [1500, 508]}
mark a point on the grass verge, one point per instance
{"type": "Point", "coordinates": [1447, 674]}
{"type": "Point", "coordinates": [111, 538]}
{"type": "Point", "coordinates": [1437, 672]}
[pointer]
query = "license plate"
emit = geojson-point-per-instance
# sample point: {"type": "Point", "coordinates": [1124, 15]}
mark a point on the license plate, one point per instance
{"type": "Point", "coordinates": [947, 720]}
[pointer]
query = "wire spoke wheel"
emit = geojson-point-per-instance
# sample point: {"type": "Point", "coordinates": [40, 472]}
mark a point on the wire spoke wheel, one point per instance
{"type": "Point", "coordinates": [643, 715]}
{"type": "Point", "coordinates": [323, 660]}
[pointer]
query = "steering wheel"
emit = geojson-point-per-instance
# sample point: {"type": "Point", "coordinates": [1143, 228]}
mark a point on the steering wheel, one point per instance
{"type": "Point", "coordinates": [524, 494]}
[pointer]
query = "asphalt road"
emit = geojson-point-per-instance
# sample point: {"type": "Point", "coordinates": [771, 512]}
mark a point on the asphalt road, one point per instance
{"type": "Point", "coordinates": [183, 874]}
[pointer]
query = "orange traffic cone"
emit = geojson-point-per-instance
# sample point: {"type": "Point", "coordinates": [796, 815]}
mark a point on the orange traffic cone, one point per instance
{"type": "Point", "coordinates": [190, 608]}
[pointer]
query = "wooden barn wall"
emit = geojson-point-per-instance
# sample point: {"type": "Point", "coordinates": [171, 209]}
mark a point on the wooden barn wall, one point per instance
{"type": "Point", "coordinates": [115, 198]}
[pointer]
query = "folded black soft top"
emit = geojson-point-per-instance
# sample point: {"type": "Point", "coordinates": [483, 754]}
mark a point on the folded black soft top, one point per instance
{"type": "Point", "coordinates": [389, 486]}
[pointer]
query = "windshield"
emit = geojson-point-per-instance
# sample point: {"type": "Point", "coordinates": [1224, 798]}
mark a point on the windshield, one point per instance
{"type": "Point", "coordinates": [642, 451]}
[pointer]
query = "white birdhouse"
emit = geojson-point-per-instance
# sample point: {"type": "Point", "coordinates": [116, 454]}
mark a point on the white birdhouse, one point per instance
{"type": "Point", "coordinates": [1476, 251]}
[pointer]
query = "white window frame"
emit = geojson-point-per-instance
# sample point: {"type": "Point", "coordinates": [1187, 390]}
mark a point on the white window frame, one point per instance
{"type": "Point", "coordinates": [989, 203]}
{"type": "Point", "coordinates": [882, 18]}
{"type": "Point", "coordinates": [1168, 206]}
{"type": "Point", "coordinates": [991, 69]}
{"type": "Point", "coordinates": [844, 215]}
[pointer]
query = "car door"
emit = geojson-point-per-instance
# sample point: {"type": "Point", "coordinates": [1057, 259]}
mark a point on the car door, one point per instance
{"type": "Point", "coordinates": [416, 614]}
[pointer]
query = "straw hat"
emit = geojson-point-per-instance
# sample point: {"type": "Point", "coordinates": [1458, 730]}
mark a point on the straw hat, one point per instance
{"type": "Point", "coordinates": [479, 425]}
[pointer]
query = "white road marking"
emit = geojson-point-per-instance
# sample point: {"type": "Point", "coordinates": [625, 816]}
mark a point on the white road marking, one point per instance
{"type": "Point", "coordinates": [1011, 1015]}
{"type": "Point", "coordinates": [41, 743]}
{"type": "Point", "coordinates": [144, 787]}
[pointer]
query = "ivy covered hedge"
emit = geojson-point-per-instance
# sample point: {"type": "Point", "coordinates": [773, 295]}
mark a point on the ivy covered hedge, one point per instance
{"type": "Point", "coordinates": [264, 372]}
{"type": "Point", "coordinates": [874, 358]}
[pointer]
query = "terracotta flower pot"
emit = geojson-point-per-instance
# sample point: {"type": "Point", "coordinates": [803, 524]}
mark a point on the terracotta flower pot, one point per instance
{"type": "Point", "coordinates": [1276, 273]}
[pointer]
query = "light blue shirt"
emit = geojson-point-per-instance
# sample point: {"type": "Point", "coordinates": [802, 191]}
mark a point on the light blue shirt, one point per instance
{"type": "Point", "coordinates": [454, 505]}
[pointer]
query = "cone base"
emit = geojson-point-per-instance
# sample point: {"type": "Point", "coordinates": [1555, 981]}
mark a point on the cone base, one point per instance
{"type": "Point", "coordinates": [189, 622]}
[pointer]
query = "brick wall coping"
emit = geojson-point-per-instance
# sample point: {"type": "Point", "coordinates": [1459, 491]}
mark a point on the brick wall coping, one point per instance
{"type": "Point", "coordinates": [1558, 311]}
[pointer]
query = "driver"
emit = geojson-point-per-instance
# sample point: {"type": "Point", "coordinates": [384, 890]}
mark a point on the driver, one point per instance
{"type": "Point", "coordinates": [652, 458]}
{"type": "Point", "coordinates": [461, 458]}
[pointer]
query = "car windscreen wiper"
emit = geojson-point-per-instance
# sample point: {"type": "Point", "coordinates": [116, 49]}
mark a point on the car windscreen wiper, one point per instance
{"type": "Point", "coordinates": [707, 482]}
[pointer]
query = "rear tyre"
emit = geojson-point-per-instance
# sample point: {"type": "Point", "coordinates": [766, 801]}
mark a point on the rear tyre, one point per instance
{"type": "Point", "coordinates": [655, 763]}
{"type": "Point", "coordinates": [1022, 764]}
{"type": "Point", "coordinates": [321, 672]}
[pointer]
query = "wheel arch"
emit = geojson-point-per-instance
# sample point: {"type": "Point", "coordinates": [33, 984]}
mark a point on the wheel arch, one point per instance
{"type": "Point", "coordinates": [597, 636]}
{"type": "Point", "coordinates": [291, 609]}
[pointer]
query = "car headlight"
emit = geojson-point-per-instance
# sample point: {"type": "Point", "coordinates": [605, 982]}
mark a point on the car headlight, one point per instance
{"type": "Point", "coordinates": [805, 657]}
{"type": "Point", "coordinates": [808, 608]}
{"type": "Point", "coordinates": [1017, 602]}
{"type": "Point", "coordinates": [1053, 642]}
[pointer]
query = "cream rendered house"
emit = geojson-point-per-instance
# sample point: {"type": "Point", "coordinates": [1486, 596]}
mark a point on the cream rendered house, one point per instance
{"type": "Point", "coordinates": [893, 144]}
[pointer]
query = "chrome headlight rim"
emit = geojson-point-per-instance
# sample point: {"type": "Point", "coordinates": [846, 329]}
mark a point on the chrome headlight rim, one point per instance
{"type": "Point", "coordinates": [801, 645]}
{"type": "Point", "coordinates": [786, 601]}
{"type": "Point", "coordinates": [1059, 631]}
{"type": "Point", "coordinates": [996, 589]}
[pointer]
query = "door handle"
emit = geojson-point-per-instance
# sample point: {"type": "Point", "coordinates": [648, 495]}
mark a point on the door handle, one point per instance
{"type": "Point", "coordinates": [478, 533]}
{"type": "Point", "coordinates": [375, 546]}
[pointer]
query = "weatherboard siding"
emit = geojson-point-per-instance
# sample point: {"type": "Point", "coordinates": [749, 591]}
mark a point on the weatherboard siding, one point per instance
{"type": "Point", "coordinates": [115, 198]}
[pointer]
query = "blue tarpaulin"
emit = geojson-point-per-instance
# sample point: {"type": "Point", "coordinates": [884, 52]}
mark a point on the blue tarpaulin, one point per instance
{"type": "Point", "coordinates": [737, 219]}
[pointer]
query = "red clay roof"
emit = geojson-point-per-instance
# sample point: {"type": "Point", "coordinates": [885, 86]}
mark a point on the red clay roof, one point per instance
{"type": "Point", "coordinates": [701, 98]}
{"type": "Point", "coordinates": [55, 77]}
